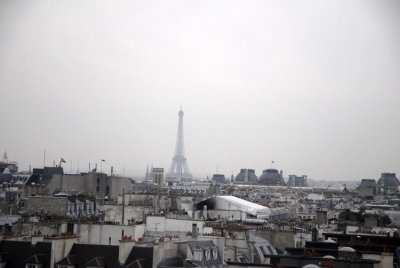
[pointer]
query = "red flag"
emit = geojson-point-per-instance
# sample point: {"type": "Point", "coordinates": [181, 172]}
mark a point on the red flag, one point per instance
{"type": "Point", "coordinates": [62, 160]}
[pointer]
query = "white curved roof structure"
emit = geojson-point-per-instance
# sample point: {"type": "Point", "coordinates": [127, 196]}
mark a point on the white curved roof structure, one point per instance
{"type": "Point", "coordinates": [228, 202]}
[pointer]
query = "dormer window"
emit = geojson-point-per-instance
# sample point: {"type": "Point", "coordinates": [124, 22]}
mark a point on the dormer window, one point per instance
{"type": "Point", "coordinates": [35, 261]}
{"type": "Point", "coordinates": [215, 254]}
{"type": "Point", "coordinates": [207, 253]}
{"type": "Point", "coordinates": [33, 265]}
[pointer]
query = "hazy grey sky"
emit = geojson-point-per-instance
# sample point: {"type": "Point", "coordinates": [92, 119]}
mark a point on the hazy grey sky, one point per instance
{"type": "Point", "coordinates": [313, 85]}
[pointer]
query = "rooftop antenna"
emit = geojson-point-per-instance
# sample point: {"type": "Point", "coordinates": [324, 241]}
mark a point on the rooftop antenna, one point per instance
{"type": "Point", "coordinates": [101, 164]}
{"type": "Point", "coordinates": [44, 157]}
{"type": "Point", "coordinates": [272, 163]}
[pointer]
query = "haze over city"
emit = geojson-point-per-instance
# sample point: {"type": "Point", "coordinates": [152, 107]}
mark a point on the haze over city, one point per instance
{"type": "Point", "coordinates": [311, 85]}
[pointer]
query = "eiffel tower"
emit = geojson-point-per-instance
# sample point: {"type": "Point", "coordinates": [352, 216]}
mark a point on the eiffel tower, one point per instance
{"type": "Point", "coordinates": [179, 170]}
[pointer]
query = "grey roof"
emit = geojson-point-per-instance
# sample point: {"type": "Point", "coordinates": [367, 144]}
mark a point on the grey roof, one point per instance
{"type": "Point", "coordinates": [142, 255]}
{"type": "Point", "coordinates": [37, 259]}
{"type": "Point", "coordinates": [297, 181]}
{"type": "Point", "coordinates": [82, 255]}
{"type": "Point", "coordinates": [246, 175]}
{"type": "Point", "coordinates": [18, 253]}
{"type": "Point", "coordinates": [174, 262]}
{"type": "Point", "coordinates": [97, 262]}
{"type": "Point", "coordinates": [69, 260]}
{"type": "Point", "coordinates": [388, 180]}
{"type": "Point", "coordinates": [219, 178]}
{"type": "Point", "coordinates": [367, 183]}
{"type": "Point", "coordinates": [195, 245]}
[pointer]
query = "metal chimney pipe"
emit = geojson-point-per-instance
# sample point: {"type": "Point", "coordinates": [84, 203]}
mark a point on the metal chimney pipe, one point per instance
{"type": "Point", "coordinates": [194, 230]}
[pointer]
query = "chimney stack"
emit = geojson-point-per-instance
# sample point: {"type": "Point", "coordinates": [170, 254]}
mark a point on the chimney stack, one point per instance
{"type": "Point", "coordinates": [125, 247]}
{"type": "Point", "coordinates": [194, 230]}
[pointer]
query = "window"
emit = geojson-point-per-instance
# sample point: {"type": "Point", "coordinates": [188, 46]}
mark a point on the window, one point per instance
{"type": "Point", "coordinates": [215, 254]}
{"type": "Point", "coordinates": [207, 253]}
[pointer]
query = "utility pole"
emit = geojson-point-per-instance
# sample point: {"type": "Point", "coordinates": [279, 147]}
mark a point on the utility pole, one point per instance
{"type": "Point", "coordinates": [123, 206]}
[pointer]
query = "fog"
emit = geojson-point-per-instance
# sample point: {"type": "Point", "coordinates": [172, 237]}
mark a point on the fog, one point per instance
{"type": "Point", "coordinates": [311, 85]}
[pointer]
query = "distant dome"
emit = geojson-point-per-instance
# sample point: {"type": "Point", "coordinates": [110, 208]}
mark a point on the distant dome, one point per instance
{"type": "Point", "coordinates": [311, 266]}
{"type": "Point", "coordinates": [328, 257]}
{"type": "Point", "coordinates": [346, 249]}
{"type": "Point", "coordinates": [271, 177]}
{"type": "Point", "coordinates": [246, 175]}
{"type": "Point", "coordinates": [329, 241]}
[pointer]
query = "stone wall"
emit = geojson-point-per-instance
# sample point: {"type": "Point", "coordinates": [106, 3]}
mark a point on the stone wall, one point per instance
{"type": "Point", "coordinates": [279, 240]}
{"type": "Point", "coordinates": [46, 204]}
{"type": "Point", "coordinates": [98, 184]}
{"type": "Point", "coordinates": [105, 234]}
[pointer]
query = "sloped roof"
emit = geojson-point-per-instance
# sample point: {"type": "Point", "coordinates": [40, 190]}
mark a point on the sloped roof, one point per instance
{"type": "Point", "coordinates": [144, 255]}
{"type": "Point", "coordinates": [82, 255]}
{"type": "Point", "coordinates": [17, 253]}
{"type": "Point", "coordinates": [69, 260]}
{"type": "Point", "coordinates": [388, 180]}
{"type": "Point", "coordinates": [248, 174]}
{"type": "Point", "coordinates": [36, 259]}
{"type": "Point", "coordinates": [97, 262]}
{"type": "Point", "coordinates": [204, 245]}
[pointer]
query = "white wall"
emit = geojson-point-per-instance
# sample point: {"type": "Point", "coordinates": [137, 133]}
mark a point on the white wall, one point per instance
{"type": "Point", "coordinates": [60, 247]}
{"type": "Point", "coordinates": [163, 224]}
{"type": "Point", "coordinates": [163, 250]}
{"type": "Point", "coordinates": [100, 233]}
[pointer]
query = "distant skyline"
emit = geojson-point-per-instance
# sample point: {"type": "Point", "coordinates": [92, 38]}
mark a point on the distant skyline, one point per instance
{"type": "Point", "coordinates": [312, 85]}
